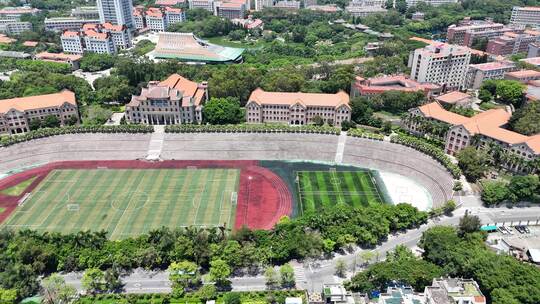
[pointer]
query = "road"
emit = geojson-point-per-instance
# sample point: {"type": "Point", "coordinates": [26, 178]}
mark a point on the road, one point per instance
{"type": "Point", "coordinates": [313, 275]}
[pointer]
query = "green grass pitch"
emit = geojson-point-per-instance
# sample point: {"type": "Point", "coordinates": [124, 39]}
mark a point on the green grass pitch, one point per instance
{"type": "Point", "coordinates": [318, 189]}
{"type": "Point", "coordinates": [129, 202]}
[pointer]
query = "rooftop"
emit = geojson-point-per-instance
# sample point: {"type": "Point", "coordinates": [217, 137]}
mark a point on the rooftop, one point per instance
{"type": "Point", "coordinates": [13, 54]}
{"type": "Point", "coordinates": [188, 47]}
{"type": "Point", "coordinates": [58, 57]}
{"type": "Point", "coordinates": [262, 97]}
{"type": "Point", "coordinates": [39, 101]}
{"type": "Point", "coordinates": [532, 60]}
{"type": "Point", "coordinates": [175, 87]}
{"type": "Point", "coordinates": [395, 82]}
{"type": "Point", "coordinates": [491, 66]}
{"type": "Point", "coordinates": [488, 123]}
{"type": "Point", "coordinates": [30, 43]}
{"type": "Point", "coordinates": [524, 74]}
{"type": "Point", "coordinates": [453, 97]}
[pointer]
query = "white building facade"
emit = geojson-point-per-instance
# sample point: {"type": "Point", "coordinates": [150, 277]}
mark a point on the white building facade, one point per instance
{"type": "Point", "coordinates": [525, 16]}
{"type": "Point", "coordinates": [444, 64]}
{"type": "Point", "coordinates": [297, 108]}
{"type": "Point", "coordinates": [116, 12]}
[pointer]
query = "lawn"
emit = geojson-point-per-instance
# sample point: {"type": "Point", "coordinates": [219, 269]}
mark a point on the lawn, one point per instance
{"type": "Point", "coordinates": [129, 202]}
{"type": "Point", "coordinates": [318, 189]}
{"type": "Point", "coordinates": [19, 188]}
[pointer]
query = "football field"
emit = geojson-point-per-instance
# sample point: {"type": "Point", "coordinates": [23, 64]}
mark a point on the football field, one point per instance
{"type": "Point", "coordinates": [129, 202]}
{"type": "Point", "coordinates": [320, 189]}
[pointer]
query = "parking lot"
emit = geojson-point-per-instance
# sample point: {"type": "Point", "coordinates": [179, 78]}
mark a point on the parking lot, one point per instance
{"type": "Point", "coordinates": [515, 241]}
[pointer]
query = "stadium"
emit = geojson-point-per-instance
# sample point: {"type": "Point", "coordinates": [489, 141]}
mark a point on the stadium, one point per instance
{"type": "Point", "coordinates": [76, 182]}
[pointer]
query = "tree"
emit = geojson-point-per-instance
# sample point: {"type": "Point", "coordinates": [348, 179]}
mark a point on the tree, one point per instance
{"type": "Point", "coordinates": [523, 187]}
{"type": "Point", "coordinates": [449, 207]}
{"type": "Point", "coordinates": [469, 224]}
{"type": "Point", "coordinates": [56, 291]}
{"type": "Point", "coordinates": [317, 120]}
{"type": "Point", "coordinates": [8, 296]}
{"type": "Point", "coordinates": [51, 121]}
{"type": "Point", "coordinates": [286, 273]}
{"type": "Point", "coordinates": [473, 162]}
{"type": "Point", "coordinates": [71, 120]}
{"type": "Point", "coordinates": [237, 35]}
{"type": "Point", "coordinates": [183, 275]}
{"type": "Point", "coordinates": [510, 92]}
{"type": "Point", "coordinates": [207, 292]}
{"type": "Point", "coordinates": [96, 115]}
{"type": "Point", "coordinates": [113, 89]}
{"type": "Point", "coordinates": [341, 268]}
{"type": "Point", "coordinates": [232, 298]}
{"type": "Point", "coordinates": [220, 111]}
{"type": "Point", "coordinates": [112, 279]}
{"type": "Point", "coordinates": [272, 280]}
{"type": "Point", "coordinates": [35, 124]}
{"type": "Point", "coordinates": [494, 192]}
{"type": "Point", "coordinates": [484, 95]}
{"type": "Point", "coordinates": [93, 62]}
{"type": "Point", "coordinates": [219, 272]}
{"type": "Point", "coordinates": [93, 280]}
{"type": "Point", "coordinates": [526, 120]}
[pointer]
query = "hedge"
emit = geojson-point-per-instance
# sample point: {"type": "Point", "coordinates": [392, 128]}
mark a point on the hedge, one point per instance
{"type": "Point", "coordinates": [251, 128]}
{"type": "Point", "coordinates": [365, 134]}
{"type": "Point", "coordinates": [189, 298]}
{"type": "Point", "coordinates": [47, 132]}
{"type": "Point", "coordinates": [429, 149]}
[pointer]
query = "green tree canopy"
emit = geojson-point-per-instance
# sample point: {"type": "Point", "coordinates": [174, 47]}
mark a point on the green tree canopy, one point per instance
{"type": "Point", "coordinates": [220, 111]}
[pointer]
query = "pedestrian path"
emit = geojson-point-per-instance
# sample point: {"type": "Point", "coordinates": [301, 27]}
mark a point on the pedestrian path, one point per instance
{"type": "Point", "coordinates": [300, 275]}
{"type": "Point", "coordinates": [340, 147]}
{"type": "Point", "coordinates": [156, 143]}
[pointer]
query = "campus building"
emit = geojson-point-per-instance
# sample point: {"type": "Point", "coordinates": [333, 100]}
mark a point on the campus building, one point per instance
{"type": "Point", "coordinates": [260, 4]}
{"type": "Point", "coordinates": [479, 73]}
{"type": "Point", "coordinates": [175, 100]}
{"type": "Point", "coordinates": [480, 130]}
{"type": "Point", "coordinates": [11, 27]}
{"type": "Point", "coordinates": [73, 60]}
{"type": "Point", "coordinates": [378, 85]}
{"type": "Point", "coordinates": [464, 34]}
{"type": "Point", "coordinates": [230, 9]}
{"type": "Point", "coordinates": [443, 64]}
{"type": "Point", "coordinates": [512, 43]}
{"type": "Point", "coordinates": [15, 13]}
{"type": "Point", "coordinates": [116, 12]}
{"type": "Point", "coordinates": [454, 291]}
{"type": "Point", "coordinates": [97, 38]}
{"type": "Point", "coordinates": [523, 76]}
{"type": "Point", "coordinates": [288, 5]}
{"type": "Point", "coordinates": [59, 24]}
{"type": "Point", "coordinates": [188, 47]}
{"type": "Point", "coordinates": [157, 19]}
{"type": "Point", "coordinates": [364, 11]}
{"type": "Point", "coordinates": [203, 4]}
{"type": "Point", "coordinates": [297, 108]}
{"type": "Point", "coordinates": [525, 16]}
{"type": "Point", "coordinates": [430, 2]}
{"type": "Point", "coordinates": [16, 113]}
{"type": "Point", "coordinates": [170, 2]}
{"type": "Point", "coordinates": [533, 50]}
{"type": "Point", "coordinates": [532, 60]}
{"type": "Point", "coordinates": [85, 12]}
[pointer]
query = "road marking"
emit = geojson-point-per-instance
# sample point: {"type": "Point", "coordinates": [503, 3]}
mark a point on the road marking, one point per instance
{"type": "Point", "coordinates": [340, 147]}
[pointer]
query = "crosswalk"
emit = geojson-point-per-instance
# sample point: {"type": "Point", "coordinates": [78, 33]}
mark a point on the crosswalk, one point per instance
{"type": "Point", "coordinates": [300, 275]}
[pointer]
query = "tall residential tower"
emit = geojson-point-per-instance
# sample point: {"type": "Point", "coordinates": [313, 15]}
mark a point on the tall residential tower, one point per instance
{"type": "Point", "coordinates": [116, 12]}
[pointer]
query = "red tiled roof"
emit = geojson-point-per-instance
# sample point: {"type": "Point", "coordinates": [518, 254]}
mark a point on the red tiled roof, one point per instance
{"type": "Point", "coordinates": [116, 28]}
{"type": "Point", "coordinates": [490, 66]}
{"type": "Point", "coordinates": [30, 43]}
{"type": "Point", "coordinates": [70, 34]}
{"type": "Point", "coordinates": [436, 111]}
{"type": "Point", "coordinates": [36, 102]}
{"type": "Point", "coordinates": [453, 97]}
{"type": "Point", "coordinates": [524, 74]}
{"type": "Point", "coordinates": [261, 97]}
{"type": "Point", "coordinates": [97, 35]}
{"type": "Point", "coordinates": [58, 57]}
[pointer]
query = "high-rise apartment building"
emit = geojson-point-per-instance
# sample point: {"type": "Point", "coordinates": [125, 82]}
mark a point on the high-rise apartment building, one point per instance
{"type": "Point", "coordinates": [116, 12]}
{"type": "Point", "coordinates": [98, 38]}
{"type": "Point", "coordinates": [525, 16]}
{"type": "Point", "coordinates": [443, 64]}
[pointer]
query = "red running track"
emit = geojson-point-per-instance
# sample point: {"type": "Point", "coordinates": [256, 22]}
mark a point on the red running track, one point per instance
{"type": "Point", "coordinates": [263, 198]}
